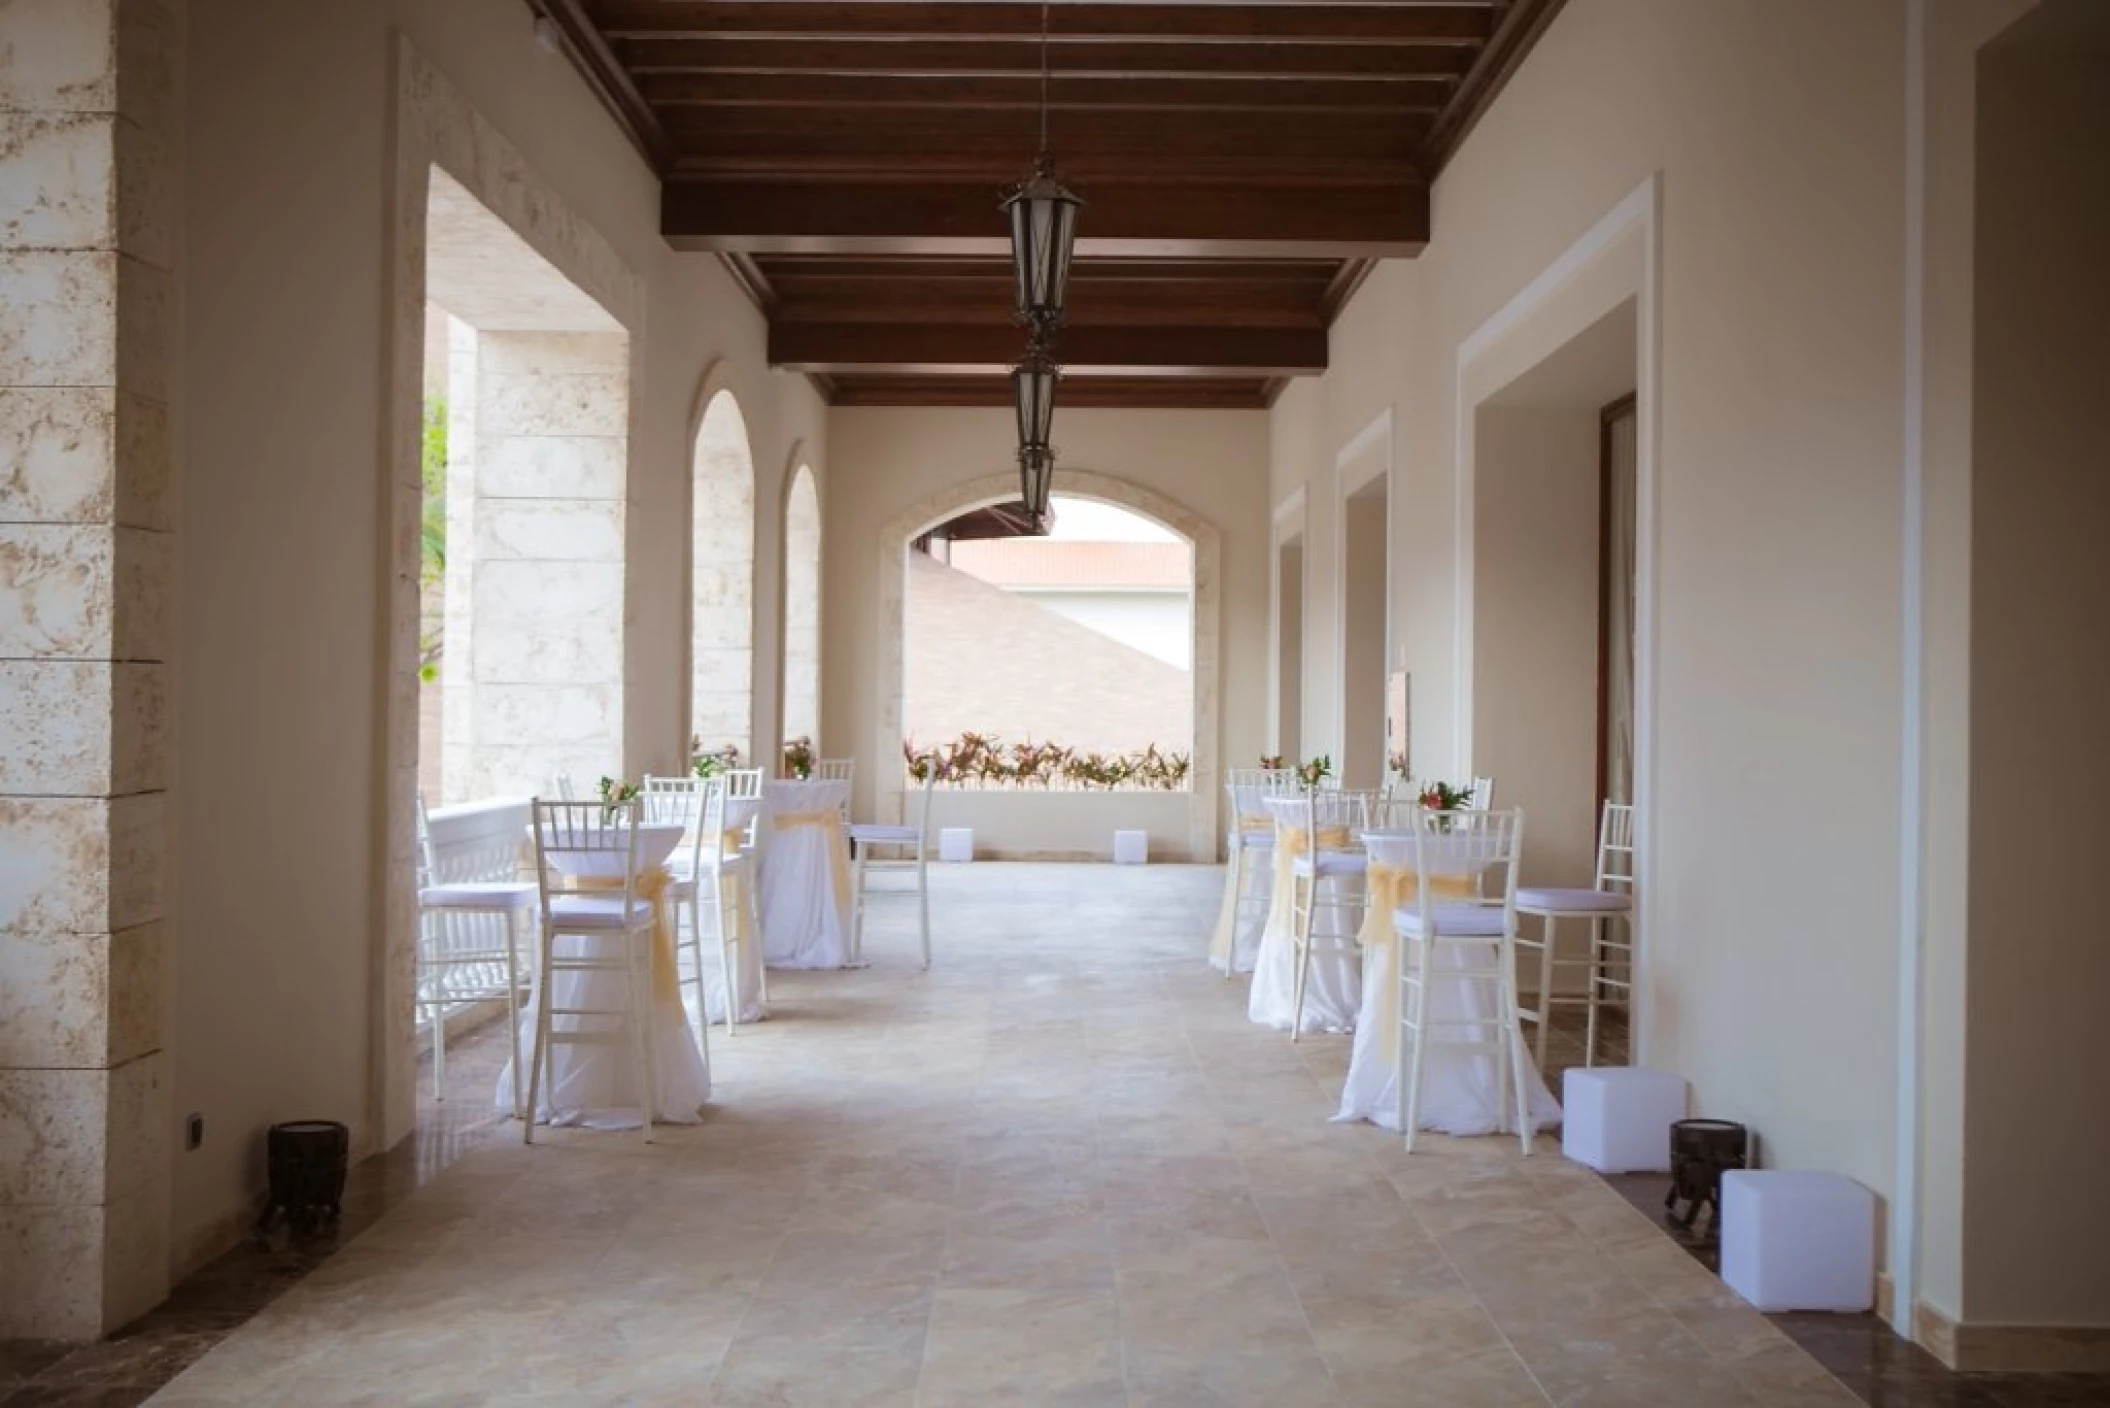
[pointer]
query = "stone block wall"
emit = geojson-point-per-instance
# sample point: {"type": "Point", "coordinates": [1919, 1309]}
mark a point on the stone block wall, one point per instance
{"type": "Point", "coordinates": [89, 128]}
{"type": "Point", "coordinates": [535, 509]}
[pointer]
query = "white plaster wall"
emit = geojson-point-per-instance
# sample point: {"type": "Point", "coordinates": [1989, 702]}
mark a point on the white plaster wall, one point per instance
{"type": "Point", "coordinates": [279, 865]}
{"type": "Point", "coordinates": [1777, 547]}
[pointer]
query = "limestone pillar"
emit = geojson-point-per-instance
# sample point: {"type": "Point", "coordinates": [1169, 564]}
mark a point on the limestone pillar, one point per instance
{"type": "Point", "coordinates": [89, 118]}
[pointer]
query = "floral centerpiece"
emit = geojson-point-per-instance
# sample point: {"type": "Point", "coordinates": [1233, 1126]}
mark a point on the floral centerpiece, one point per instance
{"type": "Point", "coordinates": [711, 764]}
{"type": "Point", "coordinates": [798, 757]}
{"type": "Point", "coordinates": [614, 793]}
{"type": "Point", "coordinates": [1316, 770]}
{"type": "Point", "coordinates": [1442, 797]}
{"type": "Point", "coordinates": [1272, 762]}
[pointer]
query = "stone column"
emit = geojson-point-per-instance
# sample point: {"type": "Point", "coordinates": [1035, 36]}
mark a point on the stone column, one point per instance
{"type": "Point", "coordinates": [540, 533]}
{"type": "Point", "coordinates": [89, 117]}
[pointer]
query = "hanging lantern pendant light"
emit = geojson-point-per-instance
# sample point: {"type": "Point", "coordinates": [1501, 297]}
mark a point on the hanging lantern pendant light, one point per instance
{"type": "Point", "coordinates": [1043, 221]}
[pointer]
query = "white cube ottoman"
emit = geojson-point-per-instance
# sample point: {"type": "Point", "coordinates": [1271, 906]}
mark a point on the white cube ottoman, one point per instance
{"type": "Point", "coordinates": [1617, 1119]}
{"type": "Point", "coordinates": [1131, 847]}
{"type": "Point", "coordinates": [956, 843]}
{"type": "Point", "coordinates": [1798, 1241]}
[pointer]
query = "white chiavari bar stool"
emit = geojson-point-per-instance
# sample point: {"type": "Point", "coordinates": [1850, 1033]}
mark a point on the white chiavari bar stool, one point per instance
{"type": "Point", "coordinates": [604, 837]}
{"type": "Point", "coordinates": [1328, 876]}
{"type": "Point", "coordinates": [1483, 794]}
{"type": "Point", "coordinates": [707, 879]}
{"type": "Point", "coordinates": [565, 791]}
{"type": "Point", "coordinates": [1610, 897]}
{"type": "Point", "coordinates": [1462, 941]}
{"type": "Point", "coordinates": [865, 837]}
{"type": "Point", "coordinates": [1249, 842]}
{"type": "Point", "coordinates": [460, 957]}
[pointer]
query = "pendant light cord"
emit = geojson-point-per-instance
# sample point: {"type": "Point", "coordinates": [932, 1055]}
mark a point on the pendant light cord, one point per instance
{"type": "Point", "coordinates": [1043, 78]}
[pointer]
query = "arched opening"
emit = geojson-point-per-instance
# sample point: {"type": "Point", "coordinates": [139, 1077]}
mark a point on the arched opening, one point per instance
{"type": "Point", "coordinates": [1079, 643]}
{"type": "Point", "coordinates": [721, 612]}
{"type": "Point", "coordinates": [1187, 817]}
{"type": "Point", "coordinates": [802, 607]}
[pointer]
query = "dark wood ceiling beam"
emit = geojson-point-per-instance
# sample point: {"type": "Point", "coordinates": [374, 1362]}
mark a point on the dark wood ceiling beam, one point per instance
{"type": "Point", "coordinates": [875, 91]}
{"type": "Point", "coordinates": [1314, 273]}
{"type": "Point", "coordinates": [910, 300]}
{"type": "Point", "coordinates": [1410, 23]}
{"type": "Point", "coordinates": [1077, 393]}
{"type": "Point", "coordinates": [1518, 28]}
{"type": "Point", "coordinates": [936, 349]}
{"type": "Point", "coordinates": [998, 58]}
{"type": "Point", "coordinates": [1164, 220]}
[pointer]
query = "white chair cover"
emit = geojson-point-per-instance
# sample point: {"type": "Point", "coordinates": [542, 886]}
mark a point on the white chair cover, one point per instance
{"type": "Point", "coordinates": [805, 875]}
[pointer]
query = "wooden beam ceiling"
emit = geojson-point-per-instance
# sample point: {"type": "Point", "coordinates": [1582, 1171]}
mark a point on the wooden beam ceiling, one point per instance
{"type": "Point", "coordinates": [1243, 163]}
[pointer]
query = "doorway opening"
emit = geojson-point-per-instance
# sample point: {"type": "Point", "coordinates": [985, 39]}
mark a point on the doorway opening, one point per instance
{"type": "Point", "coordinates": [1365, 604]}
{"type": "Point", "coordinates": [802, 608]}
{"type": "Point", "coordinates": [1289, 646]}
{"type": "Point", "coordinates": [1554, 557]}
{"type": "Point", "coordinates": [525, 452]}
{"type": "Point", "coordinates": [722, 572]}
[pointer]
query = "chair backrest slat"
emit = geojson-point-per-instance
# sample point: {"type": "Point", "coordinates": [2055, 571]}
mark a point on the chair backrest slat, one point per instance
{"type": "Point", "coordinates": [1615, 846]}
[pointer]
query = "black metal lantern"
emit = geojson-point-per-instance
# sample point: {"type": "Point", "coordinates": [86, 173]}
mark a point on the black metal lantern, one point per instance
{"type": "Point", "coordinates": [1033, 392]}
{"type": "Point", "coordinates": [1043, 230]}
{"type": "Point", "coordinates": [1043, 222]}
{"type": "Point", "coordinates": [1036, 477]}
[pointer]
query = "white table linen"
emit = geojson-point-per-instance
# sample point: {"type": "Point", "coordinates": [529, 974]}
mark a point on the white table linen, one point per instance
{"type": "Point", "coordinates": [1459, 1090]}
{"type": "Point", "coordinates": [596, 1085]}
{"type": "Point", "coordinates": [805, 875]}
{"type": "Point", "coordinates": [1334, 989]}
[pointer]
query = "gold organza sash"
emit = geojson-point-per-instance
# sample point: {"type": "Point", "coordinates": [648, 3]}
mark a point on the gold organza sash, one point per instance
{"type": "Point", "coordinates": [651, 886]}
{"type": "Point", "coordinates": [1390, 888]}
{"type": "Point", "coordinates": [830, 821]}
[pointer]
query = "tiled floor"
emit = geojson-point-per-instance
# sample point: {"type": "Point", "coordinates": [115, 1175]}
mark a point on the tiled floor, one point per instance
{"type": "Point", "coordinates": [1059, 1169]}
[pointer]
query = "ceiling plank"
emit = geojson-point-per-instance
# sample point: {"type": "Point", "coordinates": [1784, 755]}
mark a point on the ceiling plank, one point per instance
{"type": "Point", "coordinates": [870, 92]}
{"type": "Point", "coordinates": [967, 347]}
{"type": "Point", "coordinates": [995, 58]}
{"type": "Point", "coordinates": [1410, 23]}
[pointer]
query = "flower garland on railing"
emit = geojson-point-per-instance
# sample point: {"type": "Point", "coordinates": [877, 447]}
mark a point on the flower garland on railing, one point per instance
{"type": "Point", "coordinates": [984, 760]}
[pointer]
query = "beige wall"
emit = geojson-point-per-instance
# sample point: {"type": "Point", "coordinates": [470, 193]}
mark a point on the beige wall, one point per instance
{"type": "Point", "coordinates": [279, 714]}
{"type": "Point", "coordinates": [2039, 963]}
{"type": "Point", "coordinates": [1772, 367]}
{"type": "Point", "coordinates": [887, 461]}
{"type": "Point", "coordinates": [1535, 619]}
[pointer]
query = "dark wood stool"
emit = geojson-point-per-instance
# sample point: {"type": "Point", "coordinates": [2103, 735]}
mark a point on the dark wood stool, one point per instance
{"type": "Point", "coordinates": [1699, 1151]}
{"type": "Point", "coordinates": [307, 1159]}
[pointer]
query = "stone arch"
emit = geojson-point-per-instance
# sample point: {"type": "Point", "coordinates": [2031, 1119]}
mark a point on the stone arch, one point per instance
{"type": "Point", "coordinates": [722, 577]}
{"type": "Point", "coordinates": [801, 710]}
{"type": "Point", "coordinates": [934, 509]}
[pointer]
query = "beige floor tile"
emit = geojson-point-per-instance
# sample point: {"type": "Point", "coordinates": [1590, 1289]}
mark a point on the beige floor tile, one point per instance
{"type": "Point", "coordinates": [1059, 1170]}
